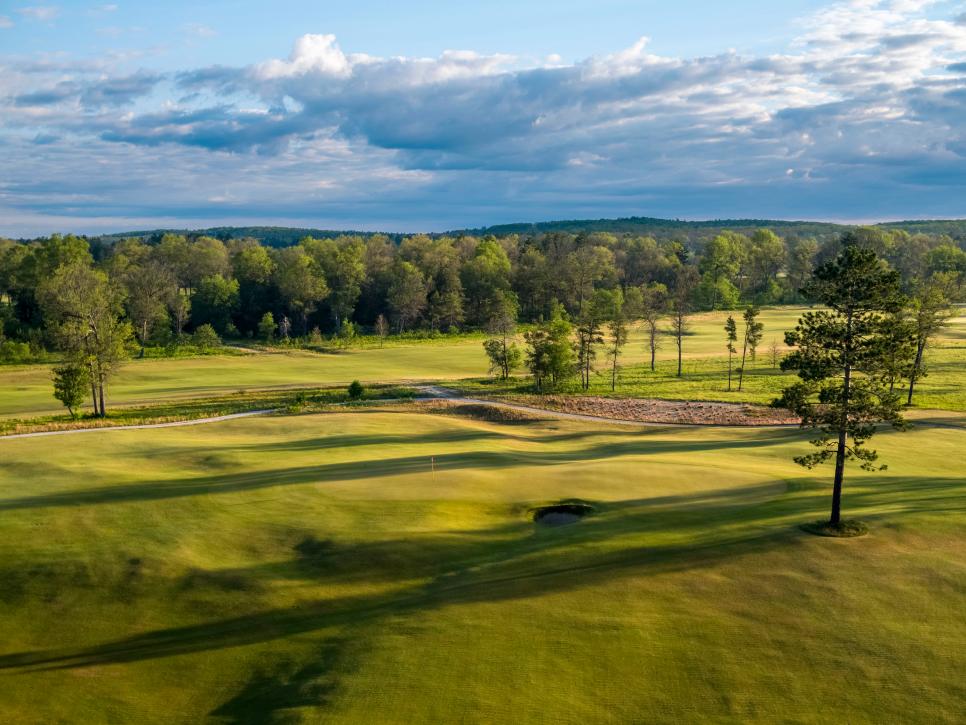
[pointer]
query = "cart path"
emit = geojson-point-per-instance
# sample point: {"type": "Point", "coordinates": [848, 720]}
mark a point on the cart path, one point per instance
{"type": "Point", "coordinates": [143, 426]}
{"type": "Point", "coordinates": [435, 392]}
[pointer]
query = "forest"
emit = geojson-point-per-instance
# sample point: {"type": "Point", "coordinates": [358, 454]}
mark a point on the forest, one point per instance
{"type": "Point", "coordinates": [91, 306]}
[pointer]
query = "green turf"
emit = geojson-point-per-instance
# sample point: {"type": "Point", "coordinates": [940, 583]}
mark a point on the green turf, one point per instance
{"type": "Point", "coordinates": [26, 390]}
{"type": "Point", "coordinates": [705, 370]}
{"type": "Point", "coordinates": [382, 567]}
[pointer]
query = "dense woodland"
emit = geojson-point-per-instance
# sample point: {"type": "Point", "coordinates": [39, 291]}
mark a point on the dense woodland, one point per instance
{"type": "Point", "coordinates": [174, 284]}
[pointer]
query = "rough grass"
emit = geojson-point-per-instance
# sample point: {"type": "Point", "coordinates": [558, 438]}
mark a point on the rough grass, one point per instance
{"type": "Point", "coordinates": [369, 566]}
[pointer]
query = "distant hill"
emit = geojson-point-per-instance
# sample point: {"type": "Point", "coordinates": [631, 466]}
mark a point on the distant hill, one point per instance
{"type": "Point", "coordinates": [955, 228]}
{"type": "Point", "coordinates": [270, 236]}
{"type": "Point", "coordinates": [661, 228]}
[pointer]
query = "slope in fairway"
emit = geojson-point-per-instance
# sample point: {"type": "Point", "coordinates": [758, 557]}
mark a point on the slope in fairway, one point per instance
{"type": "Point", "coordinates": [382, 567]}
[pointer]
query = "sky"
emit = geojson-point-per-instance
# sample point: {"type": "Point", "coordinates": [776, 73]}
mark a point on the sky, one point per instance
{"type": "Point", "coordinates": [428, 116]}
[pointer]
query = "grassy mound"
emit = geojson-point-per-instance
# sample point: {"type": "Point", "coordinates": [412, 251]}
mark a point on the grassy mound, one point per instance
{"type": "Point", "coordinates": [843, 529]}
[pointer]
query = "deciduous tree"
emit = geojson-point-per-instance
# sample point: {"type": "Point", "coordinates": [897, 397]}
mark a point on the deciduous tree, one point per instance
{"type": "Point", "coordinates": [731, 332]}
{"type": "Point", "coordinates": [754, 330]}
{"type": "Point", "coordinates": [71, 380]}
{"type": "Point", "coordinates": [930, 311]}
{"type": "Point", "coordinates": [83, 310]}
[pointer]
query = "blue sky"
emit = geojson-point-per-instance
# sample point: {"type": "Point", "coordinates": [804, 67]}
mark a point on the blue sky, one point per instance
{"type": "Point", "coordinates": [426, 116]}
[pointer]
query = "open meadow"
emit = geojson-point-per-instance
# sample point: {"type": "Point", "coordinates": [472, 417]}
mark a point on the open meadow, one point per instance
{"type": "Point", "coordinates": [382, 566]}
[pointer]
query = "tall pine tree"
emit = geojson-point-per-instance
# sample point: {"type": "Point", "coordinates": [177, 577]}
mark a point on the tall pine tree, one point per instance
{"type": "Point", "coordinates": [840, 354]}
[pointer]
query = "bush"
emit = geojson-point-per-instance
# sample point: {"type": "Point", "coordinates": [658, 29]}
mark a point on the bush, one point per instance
{"type": "Point", "coordinates": [356, 391]}
{"type": "Point", "coordinates": [266, 327]}
{"type": "Point", "coordinates": [15, 352]}
{"type": "Point", "coordinates": [205, 338]}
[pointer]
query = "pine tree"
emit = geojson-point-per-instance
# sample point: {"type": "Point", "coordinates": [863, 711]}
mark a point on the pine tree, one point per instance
{"type": "Point", "coordinates": [840, 354]}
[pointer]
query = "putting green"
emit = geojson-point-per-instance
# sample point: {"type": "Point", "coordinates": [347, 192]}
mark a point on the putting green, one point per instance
{"type": "Point", "coordinates": [383, 567]}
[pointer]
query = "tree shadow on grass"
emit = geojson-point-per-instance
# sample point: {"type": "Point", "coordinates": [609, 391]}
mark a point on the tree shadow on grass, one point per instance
{"type": "Point", "coordinates": [235, 482]}
{"type": "Point", "coordinates": [533, 565]}
{"type": "Point", "coordinates": [272, 693]}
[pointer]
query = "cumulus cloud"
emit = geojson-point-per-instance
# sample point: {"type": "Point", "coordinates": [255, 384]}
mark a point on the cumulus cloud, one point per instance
{"type": "Point", "coordinates": [862, 113]}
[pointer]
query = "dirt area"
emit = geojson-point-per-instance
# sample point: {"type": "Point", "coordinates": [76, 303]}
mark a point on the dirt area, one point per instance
{"type": "Point", "coordinates": [477, 411]}
{"type": "Point", "coordinates": [651, 410]}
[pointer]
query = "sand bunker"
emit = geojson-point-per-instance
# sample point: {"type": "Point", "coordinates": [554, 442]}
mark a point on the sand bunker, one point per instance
{"type": "Point", "coordinates": [561, 514]}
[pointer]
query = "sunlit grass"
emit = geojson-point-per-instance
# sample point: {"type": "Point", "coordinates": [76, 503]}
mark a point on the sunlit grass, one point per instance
{"type": "Point", "coordinates": [374, 566]}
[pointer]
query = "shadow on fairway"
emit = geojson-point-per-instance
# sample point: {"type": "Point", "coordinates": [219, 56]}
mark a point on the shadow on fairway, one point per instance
{"type": "Point", "coordinates": [717, 527]}
{"type": "Point", "coordinates": [235, 482]}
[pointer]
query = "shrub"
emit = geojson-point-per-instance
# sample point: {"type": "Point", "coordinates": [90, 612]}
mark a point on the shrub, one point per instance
{"type": "Point", "coordinates": [15, 352]}
{"type": "Point", "coordinates": [205, 338]}
{"type": "Point", "coordinates": [356, 391]}
{"type": "Point", "coordinates": [266, 327]}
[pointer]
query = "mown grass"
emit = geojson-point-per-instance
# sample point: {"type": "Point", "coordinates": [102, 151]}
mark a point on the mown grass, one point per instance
{"type": "Point", "coordinates": [26, 390]}
{"type": "Point", "coordinates": [705, 369]}
{"type": "Point", "coordinates": [299, 400]}
{"type": "Point", "coordinates": [369, 566]}
{"type": "Point", "coordinates": [943, 388]}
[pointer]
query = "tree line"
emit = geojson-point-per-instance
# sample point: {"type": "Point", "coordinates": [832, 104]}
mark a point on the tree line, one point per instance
{"type": "Point", "coordinates": [99, 304]}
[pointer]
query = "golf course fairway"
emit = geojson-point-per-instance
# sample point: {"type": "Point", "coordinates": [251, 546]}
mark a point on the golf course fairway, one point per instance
{"type": "Point", "coordinates": [374, 566]}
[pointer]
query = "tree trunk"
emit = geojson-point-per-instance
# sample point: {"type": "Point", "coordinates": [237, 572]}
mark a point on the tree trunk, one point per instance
{"type": "Point", "coordinates": [729, 371]}
{"type": "Point", "coordinates": [741, 370]}
{"type": "Point", "coordinates": [90, 369]}
{"type": "Point", "coordinates": [915, 370]}
{"type": "Point", "coordinates": [679, 355]}
{"type": "Point", "coordinates": [840, 450]}
{"type": "Point", "coordinates": [100, 390]}
{"type": "Point", "coordinates": [839, 467]}
{"type": "Point", "coordinates": [613, 373]}
{"type": "Point", "coordinates": [144, 337]}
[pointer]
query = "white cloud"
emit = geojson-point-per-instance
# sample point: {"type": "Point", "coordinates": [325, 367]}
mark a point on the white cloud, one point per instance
{"type": "Point", "coordinates": [865, 110]}
{"type": "Point", "coordinates": [312, 54]}
{"type": "Point", "coordinates": [5, 22]}
{"type": "Point", "coordinates": [40, 13]}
